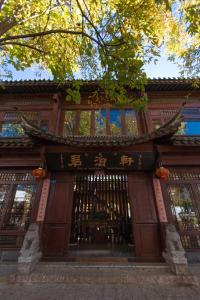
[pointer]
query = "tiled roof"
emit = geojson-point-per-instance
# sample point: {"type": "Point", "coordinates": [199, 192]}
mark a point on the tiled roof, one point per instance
{"type": "Point", "coordinates": [35, 86]}
{"type": "Point", "coordinates": [164, 132]}
{"type": "Point", "coordinates": [186, 140]}
{"type": "Point", "coordinates": [172, 84]}
{"type": "Point", "coordinates": [16, 142]}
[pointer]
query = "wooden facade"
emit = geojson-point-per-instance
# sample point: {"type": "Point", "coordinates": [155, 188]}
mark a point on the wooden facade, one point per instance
{"type": "Point", "coordinates": [99, 197]}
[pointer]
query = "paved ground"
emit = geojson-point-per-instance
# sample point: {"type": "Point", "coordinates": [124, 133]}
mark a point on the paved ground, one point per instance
{"type": "Point", "coordinates": [61, 291]}
{"type": "Point", "coordinates": [93, 292]}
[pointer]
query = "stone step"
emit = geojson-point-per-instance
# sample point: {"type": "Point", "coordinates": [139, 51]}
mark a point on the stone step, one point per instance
{"type": "Point", "coordinates": [80, 273]}
{"type": "Point", "coordinates": [99, 259]}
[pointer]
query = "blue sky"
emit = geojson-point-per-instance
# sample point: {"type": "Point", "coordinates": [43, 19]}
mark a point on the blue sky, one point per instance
{"type": "Point", "coordinates": [163, 68]}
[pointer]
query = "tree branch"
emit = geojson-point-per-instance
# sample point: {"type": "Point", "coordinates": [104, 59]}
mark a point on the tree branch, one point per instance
{"type": "Point", "coordinates": [6, 25]}
{"type": "Point", "coordinates": [48, 17]}
{"type": "Point", "coordinates": [48, 32]}
{"type": "Point", "coordinates": [116, 45]}
{"type": "Point", "coordinates": [91, 23]}
{"type": "Point", "coordinates": [23, 45]}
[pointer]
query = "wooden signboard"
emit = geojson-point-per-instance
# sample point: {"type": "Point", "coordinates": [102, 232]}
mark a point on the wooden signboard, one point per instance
{"type": "Point", "coordinates": [159, 201]}
{"type": "Point", "coordinates": [43, 200]}
{"type": "Point", "coordinates": [100, 160]}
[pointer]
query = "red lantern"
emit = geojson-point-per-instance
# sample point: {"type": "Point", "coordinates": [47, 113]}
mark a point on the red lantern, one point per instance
{"type": "Point", "coordinates": [162, 173]}
{"type": "Point", "coordinates": [39, 173]}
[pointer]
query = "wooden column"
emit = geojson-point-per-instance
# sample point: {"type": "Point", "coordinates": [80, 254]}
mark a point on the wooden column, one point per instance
{"type": "Point", "coordinates": [160, 205]}
{"type": "Point", "coordinates": [43, 200]}
{"type": "Point", "coordinates": [56, 114]}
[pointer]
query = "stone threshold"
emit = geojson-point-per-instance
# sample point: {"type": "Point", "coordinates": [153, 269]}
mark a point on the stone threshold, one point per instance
{"type": "Point", "coordinates": [75, 273]}
{"type": "Point", "coordinates": [93, 264]}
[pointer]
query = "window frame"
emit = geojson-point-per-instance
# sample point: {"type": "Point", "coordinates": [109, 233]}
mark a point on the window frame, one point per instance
{"type": "Point", "coordinates": [183, 176]}
{"type": "Point", "coordinates": [93, 123]}
{"type": "Point", "coordinates": [39, 120]}
{"type": "Point", "coordinates": [157, 115]}
{"type": "Point", "coordinates": [11, 136]}
{"type": "Point", "coordinates": [15, 232]}
{"type": "Point", "coordinates": [191, 117]}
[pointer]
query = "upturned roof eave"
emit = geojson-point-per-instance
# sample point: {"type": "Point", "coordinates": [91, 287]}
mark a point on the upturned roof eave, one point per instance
{"type": "Point", "coordinates": [165, 131]}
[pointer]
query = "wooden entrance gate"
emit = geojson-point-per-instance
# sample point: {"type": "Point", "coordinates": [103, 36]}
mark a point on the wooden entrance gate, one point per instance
{"type": "Point", "coordinates": [101, 214]}
{"type": "Point", "coordinates": [115, 211]}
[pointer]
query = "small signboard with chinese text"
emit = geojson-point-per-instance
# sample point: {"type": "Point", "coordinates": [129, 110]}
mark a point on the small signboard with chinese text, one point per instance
{"type": "Point", "coordinates": [43, 200]}
{"type": "Point", "coordinates": [100, 160]}
{"type": "Point", "coordinates": [159, 201]}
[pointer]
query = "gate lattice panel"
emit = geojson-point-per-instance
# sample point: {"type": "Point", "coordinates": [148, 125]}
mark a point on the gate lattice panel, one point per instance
{"type": "Point", "coordinates": [101, 210]}
{"type": "Point", "coordinates": [184, 192]}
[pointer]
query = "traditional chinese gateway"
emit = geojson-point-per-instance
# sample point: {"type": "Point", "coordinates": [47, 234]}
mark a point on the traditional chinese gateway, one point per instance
{"type": "Point", "coordinates": [98, 194]}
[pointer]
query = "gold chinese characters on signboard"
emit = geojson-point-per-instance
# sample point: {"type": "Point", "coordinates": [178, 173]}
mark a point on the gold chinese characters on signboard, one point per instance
{"type": "Point", "coordinates": [75, 161]}
{"type": "Point", "coordinates": [100, 161]}
{"type": "Point", "coordinates": [90, 160]}
{"type": "Point", "coordinates": [126, 160]}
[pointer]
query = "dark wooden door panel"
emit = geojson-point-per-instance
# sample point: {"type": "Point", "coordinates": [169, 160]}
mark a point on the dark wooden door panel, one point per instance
{"type": "Point", "coordinates": [58, 202]}
{"type": "Point", "coordinates": [142, 198]}
{"type": "Point", "coordinates": [57, 225]}
{"type": "Point", "coordinates": [54, 238]}
{"type": "Point", "coordinates": [147, 239]}
{"type": "Point", "coordinates": [144, 218]}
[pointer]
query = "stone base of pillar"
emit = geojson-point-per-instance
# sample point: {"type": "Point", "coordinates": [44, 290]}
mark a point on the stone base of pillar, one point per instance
{"type": "Point", "coordinates": [30, 253]}
{"type": "Point", "coordinates": [25, 268]}
{"type": "Point", "coordinates": [177, 262]}
{"type": "Point", "coordinates": [174, 254]}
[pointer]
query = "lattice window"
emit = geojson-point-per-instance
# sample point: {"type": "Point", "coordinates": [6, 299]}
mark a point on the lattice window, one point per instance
{"type": "Point", "coordinates": [100, 122]}
{"type": "Point", "coordinates": [85, 122]}
{"type": "Point", "coordinates": [186, 214]}
{"type": "Point", "coordinates": [4, 191]}
{"type": "Point", "coordinates": [159, 117]}
{"type": "Point", "coordinates": [183, 189]}
{"type": "Point", "coordinates": [14, 116]}
{"type": "Point", "coordinates": [27, 101]}
{"type": "Point", "coordinates": [191, 122]}
{"type": "Point", "coordinates": [184, 174]}
{"type": "Point", "coordinates": [131, 122]}
{"type": "Point", "coordinates": [10, 125]}
{"type": "Point", "coordinates": [69, 123]}
{"type": "Point", "coordinates": [17, 193]}
{"type": "Point", "coordinates": [18, 213]}
{"type": "Point", "coordinates": [6, 176]}
{"type": "Point", "coordinates": [168, 114]}
{"type": "Point", "coordinates": [10, 116]}
{"type": "Point", "coordinates": [183, 207]}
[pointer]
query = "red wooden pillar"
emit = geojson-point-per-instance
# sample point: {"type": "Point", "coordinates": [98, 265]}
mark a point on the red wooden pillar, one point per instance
{"type": "Point", "coordinates": [162, 216]}
{"type": "Point", "coordinates": [145, 223]}
{"type": "Point", "coordinates": [56, 114]}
